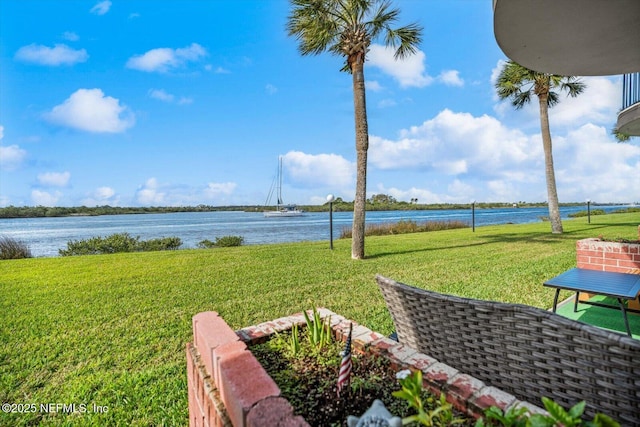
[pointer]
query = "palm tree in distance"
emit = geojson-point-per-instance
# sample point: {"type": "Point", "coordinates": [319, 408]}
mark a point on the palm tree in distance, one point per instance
{"type": "Point", "coordinates": [518, 84]}
{"type": "Point", "coordinates": [346, 28]}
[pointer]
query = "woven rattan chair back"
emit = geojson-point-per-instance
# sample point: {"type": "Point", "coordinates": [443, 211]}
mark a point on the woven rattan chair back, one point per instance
{"type": "Point", "coordinates": [523, 350]}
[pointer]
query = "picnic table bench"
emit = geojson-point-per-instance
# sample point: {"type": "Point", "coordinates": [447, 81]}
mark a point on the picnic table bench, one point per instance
{"type": "Point", "coordinates": [621, 286]}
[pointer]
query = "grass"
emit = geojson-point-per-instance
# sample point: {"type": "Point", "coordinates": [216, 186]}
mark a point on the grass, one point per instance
{"type": "Point", "coordinates": [602, 316]}
{"type": "Point", "coordinates": [110, 330]}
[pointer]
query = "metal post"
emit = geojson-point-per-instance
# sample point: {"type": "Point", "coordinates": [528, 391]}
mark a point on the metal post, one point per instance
{"type": "Point", "coordinates": [473, 216]}
{"type": "Point", "coordinates": [331, 225]}
{"type": "Point", "coordinates": [589, 211]}
{"type": "Point", "coordinates": [330, 199]}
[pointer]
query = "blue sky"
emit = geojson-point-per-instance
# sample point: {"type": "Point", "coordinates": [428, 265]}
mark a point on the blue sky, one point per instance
{"type": "Point", "coordinates": [172, 103]}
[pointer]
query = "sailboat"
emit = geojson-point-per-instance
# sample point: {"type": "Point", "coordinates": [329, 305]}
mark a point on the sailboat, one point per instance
{"type": "Point", "coordinates": [282, 210]}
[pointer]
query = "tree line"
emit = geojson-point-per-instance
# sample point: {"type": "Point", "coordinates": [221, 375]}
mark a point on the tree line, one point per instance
{"type": "Point", "coordinates": [377, 202]}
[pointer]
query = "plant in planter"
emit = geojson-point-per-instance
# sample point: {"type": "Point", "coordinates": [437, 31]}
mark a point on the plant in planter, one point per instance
{"type": "Point", "coordinates": [494, 416]}
{"type": "Point", "coordinates": [305, 365]}
{"type": "Point", "coordinates": [557, 416]}
{"type": "Point", "coordinates": [441, 412]}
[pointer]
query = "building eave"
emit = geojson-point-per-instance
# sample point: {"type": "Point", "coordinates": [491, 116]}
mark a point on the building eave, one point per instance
{"type": "Point", "coordinates": [570, 37]}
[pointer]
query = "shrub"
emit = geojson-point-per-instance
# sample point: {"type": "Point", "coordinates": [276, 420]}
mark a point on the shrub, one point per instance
{"type": "Point", "coordinates": [13, 249]}
{"type": "Point", "coordinates": [586, 213]}
{"type": "Point", "coordinates": [222, 242]}
{"type": "Point", "coordinates": [404, 227]}
{"type": "Point", "coordinates": [119, 242]}
{"type": "Point", "coordinates": [206, 244]}
{"type": "Point", "coordinates": [162, 244]}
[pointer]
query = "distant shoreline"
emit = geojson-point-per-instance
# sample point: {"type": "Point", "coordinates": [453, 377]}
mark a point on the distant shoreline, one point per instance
{"type": "Point", "coordinates": [338, 206]}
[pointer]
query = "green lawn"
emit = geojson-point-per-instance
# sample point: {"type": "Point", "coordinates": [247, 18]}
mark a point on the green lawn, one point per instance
{"type": "Point", "coordinates": [110, 330]}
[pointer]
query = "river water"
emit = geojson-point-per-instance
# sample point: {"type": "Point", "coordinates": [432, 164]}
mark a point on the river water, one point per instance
{"type": "Point", "coordinates": [45, 236]}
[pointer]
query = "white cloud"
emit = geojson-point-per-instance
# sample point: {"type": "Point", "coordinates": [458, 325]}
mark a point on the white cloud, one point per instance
{"type": "Point", "coordinates": [495, 72]}
{"type": "Point", "coordinates": [409, 72]}
{"type": "Point", "coordinates": [102, 196]}
{"type": "Point", "coordinates": [166, 59]}
{"type": "Point", "coordinates": [150, 194]}
{"type": "Point", "coordinates": [216, 189]}
{"type": "Point", "coordinates": [217, 70]}
{"type": "Point", "coordinates": [12, 156]}
{"type": "Point", "coordinates": [453, 144]}
{"type": "Point", "coordinates": [386, 103]}
{"type": "Point", "coordinates": [105, 192]}
{"type": "Point", "coordinates": [101, 8]}
{"type": "Point", "coordinates": [60, 54]}
{"type": "Point", "coordinates": [44, 198]}
{"type": "Point", "coordinates": [321, 170]}
{"type": "Point", "coordinates": [373, 85]}
{"type": "Point", "coordinates": [54, 179]}
{"type": "Point", "coordinates": [460, 157]}
{"type": "Point", "coordinates": [599, 103]}
{"type": "Point", "coordinates": [161, 95]}
{"type": "Point", "coordinates": [71, 36]}
{"type": "Point", "coordinates": [589, 164]}
{"type": "Point", "coordinates": [271, 89]}
{"type": "Point", "coordinates": [451, 78]}
{"type": "Point", "coordinates": [90, 110]}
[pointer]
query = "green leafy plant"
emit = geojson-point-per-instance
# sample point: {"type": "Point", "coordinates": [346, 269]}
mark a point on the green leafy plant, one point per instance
{"type": "Point", "coordinates": [318, 331]}
{"type": "Point", "coordinates": [292, 345]}
{"type": "Point", "coordinates": [161, 244]}
{"type": "Point", "coordinates": [431, 411]}
{"type": "Point", "coordinates": [557, 416]}
{"type": "Point", "coordinates": [222, 242]}
{"type": "Point", "coordinates": [118, 242]}
{"type": "Point", "coordinates": [514, 417]}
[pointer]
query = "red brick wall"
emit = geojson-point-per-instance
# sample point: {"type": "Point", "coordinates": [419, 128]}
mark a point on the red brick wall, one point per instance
{"type": "Point", "coordinates": [594, 254]}
{"type": "Point", "coordinates": [227, 385]}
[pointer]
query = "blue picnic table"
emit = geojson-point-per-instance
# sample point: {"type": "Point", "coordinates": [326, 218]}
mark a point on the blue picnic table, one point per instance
{"type": "Point", "coordinates": [621, 286]}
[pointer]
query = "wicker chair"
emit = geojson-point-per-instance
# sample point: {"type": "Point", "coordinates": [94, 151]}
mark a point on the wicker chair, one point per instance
{"type": "Point", "coordinates": [522, 350]}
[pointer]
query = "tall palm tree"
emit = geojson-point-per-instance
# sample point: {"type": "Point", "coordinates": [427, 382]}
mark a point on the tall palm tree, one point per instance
{"type": "Point", "coordinates": [346, 28]}
{"type": "Point", "coordinates": [518, 84]}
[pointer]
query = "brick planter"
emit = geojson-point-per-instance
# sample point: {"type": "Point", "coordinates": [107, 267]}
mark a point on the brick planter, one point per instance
{"type": "Point", "coordinates": [595, 254]}
{"type": "Point", "coordinates": [229, 387]}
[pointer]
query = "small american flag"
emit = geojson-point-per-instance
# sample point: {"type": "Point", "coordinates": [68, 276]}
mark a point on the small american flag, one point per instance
{"type": "Point", "coordinates": [345, 364]}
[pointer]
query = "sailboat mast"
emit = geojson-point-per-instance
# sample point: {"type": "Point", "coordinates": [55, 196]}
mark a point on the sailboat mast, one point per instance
{"type": "Point", "coordinates": [280, 180]}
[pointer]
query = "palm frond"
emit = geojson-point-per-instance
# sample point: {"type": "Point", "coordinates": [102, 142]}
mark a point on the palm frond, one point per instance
{"type": "Point", "coordinates": [521, 99]}
{"type": "Point", "coordinates": [553, 98]}
{"type": "Point", "coordinates": [347, 27]}
{"type": "Point", "coordinates": [620, 137]}
{"type": "Point", "coordinates": [515, 80]}
{"type": "Point", "coordinates": [406, 39]}
{"type": "Point", "coordinates": [314, 24]}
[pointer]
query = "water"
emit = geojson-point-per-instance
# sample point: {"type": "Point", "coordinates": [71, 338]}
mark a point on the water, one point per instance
{"type": "Point", "coordinates": [45, 236]}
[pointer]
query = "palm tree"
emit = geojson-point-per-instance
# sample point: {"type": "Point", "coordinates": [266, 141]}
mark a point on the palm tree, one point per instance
{"type": "Point", "coordinates": [346, 28]}
{"type": "Point", "coordinates": [519, 83]}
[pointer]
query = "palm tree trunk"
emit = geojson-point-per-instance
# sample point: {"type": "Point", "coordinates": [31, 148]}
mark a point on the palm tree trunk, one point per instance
{"type": "Point", "coordinates": [362, 145]}
{"type": "Point", "coordinates": [552, 192]}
